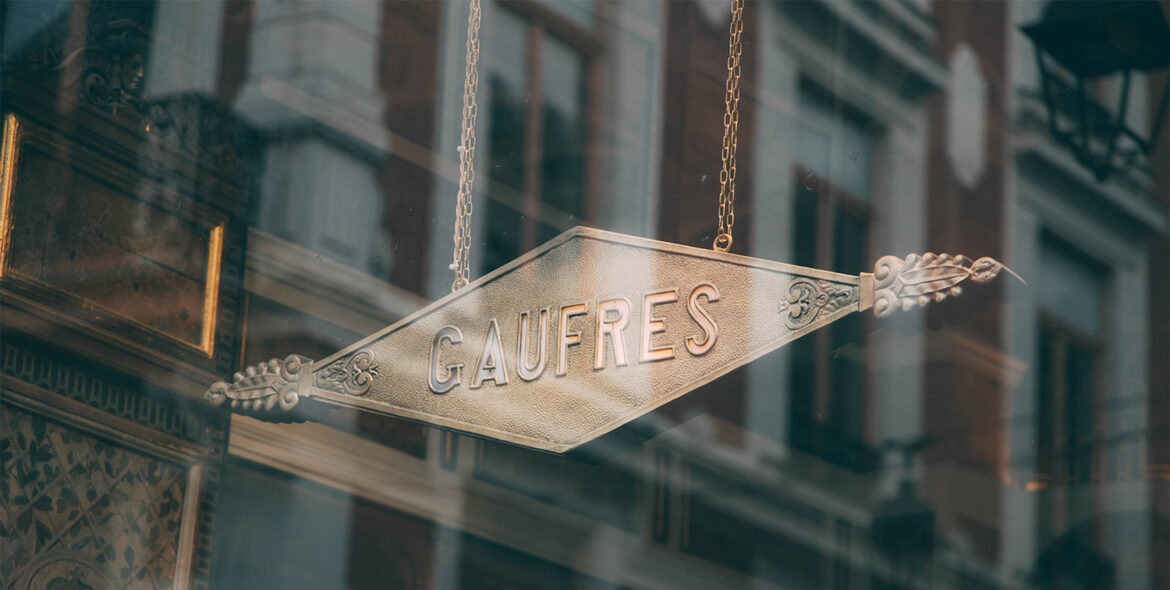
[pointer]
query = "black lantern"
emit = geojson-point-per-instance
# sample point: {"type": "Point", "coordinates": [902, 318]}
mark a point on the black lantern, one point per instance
{"type": "Point", "coordinates": [1091, 39]}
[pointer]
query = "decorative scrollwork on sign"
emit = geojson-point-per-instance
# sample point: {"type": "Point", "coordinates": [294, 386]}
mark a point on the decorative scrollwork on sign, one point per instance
{"type": "Point", "coordinates": [263, 386]}
{"type": "Point", "coordinates": [807, 300]}
{"type": "Point", "coordinates": [352, 375]}
{"type": "Point", "coordinates": [918, 280]}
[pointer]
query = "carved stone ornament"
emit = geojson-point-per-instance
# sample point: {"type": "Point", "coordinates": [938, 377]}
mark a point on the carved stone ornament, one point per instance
{"type": "Point", "coordinates": [918, 280]}
{"type": "Point", "coordinates": [584, 334]}
{"type": "Point", "coordinates": [106, 68]}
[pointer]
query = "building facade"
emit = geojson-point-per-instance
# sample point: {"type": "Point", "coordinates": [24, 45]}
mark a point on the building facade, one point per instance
{"type": "Point", "coordinates": [193, 188]}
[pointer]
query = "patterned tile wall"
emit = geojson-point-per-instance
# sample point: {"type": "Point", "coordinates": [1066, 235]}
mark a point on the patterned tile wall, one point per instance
{"type": "Point", "coordinates": [31, 361]}
{"type": "Point", "coordinates": [78, 509]}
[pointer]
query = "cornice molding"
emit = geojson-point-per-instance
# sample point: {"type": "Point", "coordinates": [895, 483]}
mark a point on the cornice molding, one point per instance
{"type": "Point", "coordinates": [917, 59]}
{"type": "Point", "coordinates": [1132, 203]}
{"type": "Point", "coordinates": [402, 482]}
{"type": "Point", "coordinates": [299, 278]}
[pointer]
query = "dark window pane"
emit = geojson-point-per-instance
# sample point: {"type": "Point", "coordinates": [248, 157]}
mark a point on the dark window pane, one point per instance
{"type": "Point", "coordinates": [562, 170]}
{"type": "Point", "coordinates": [1081, 439]}
{"type": "Point", "coordinates": [506, 142]}
{"type": "Point", "coordinates": [850, 237]}
{"type": "Point", "coordinates": [507, 112]}
{"type": "Point", "coordinates": [804, 227]}
{"type": "Point", "coordinates": [802, 382]}
{"type": "Point", "coordinates": [605, 491]}
{"type": "Point", "coordinates": [505, 222]}
{"type": "Point", "coordinates": [717, 531]}
{"type": "Point", "coordinates": [1046, 391]}
{"type": "Point", "coordinates": [847, 376]}
{"type": "Point", "coordinates": [504, 235]}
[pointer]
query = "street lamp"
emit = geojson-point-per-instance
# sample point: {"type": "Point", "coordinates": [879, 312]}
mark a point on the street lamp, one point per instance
{"type": "Point", "coordinates": [1090, 39]}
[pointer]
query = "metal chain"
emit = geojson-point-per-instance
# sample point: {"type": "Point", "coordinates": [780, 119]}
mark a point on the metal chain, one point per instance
{"type": "Point", "coordinates": [463, 205]}
{"type": "Point", "coordinates": [730, 130]}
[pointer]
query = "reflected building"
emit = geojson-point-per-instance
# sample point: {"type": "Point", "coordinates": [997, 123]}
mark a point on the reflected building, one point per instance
{"type": "Point", "coordinates": [195, 188]}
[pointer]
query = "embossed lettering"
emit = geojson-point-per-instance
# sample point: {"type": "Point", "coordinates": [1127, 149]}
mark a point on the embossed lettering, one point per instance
{"type": "Point", "coordinates": [526, 372]}
{"type": "Point", "coordinates": [491, 365]}
{"type": "Point", "coordinates": [439, 384]}
{"type": "Point", "coordinates": [652, 325]}
{"type": "Point", "coordinates": [612, 317]}
{"type": "Point", "coordinates": [568, 337]}
{"type": "Point", "coordinates": [703, 319]}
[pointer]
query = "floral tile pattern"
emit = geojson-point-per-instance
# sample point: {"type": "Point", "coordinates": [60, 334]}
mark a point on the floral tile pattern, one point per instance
{"type": "Point", "coordinates": [72, 502]}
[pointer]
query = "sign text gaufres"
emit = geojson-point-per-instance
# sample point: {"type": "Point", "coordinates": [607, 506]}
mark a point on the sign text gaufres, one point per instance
{"type": "Point", "coordinates": [607, 323]}
{"type": "Point", "coordinates": [586, 333]}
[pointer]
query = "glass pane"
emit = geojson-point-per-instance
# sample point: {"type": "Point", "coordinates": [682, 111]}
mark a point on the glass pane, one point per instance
{"type": "Point", "coordinates": [1081, 413]}
{"type": "Point", "coordinates": [231, 356]}
{"type": "Point", "coordinates": [509, 96]}
{"type": "Point", "coordinates": [834, 143]}
{"type": "Point", "coordinates": [850, 241]}
{"type": "Point", "coordinates": [1047, 395]}
{"type": "Point", "coordinates": [562, 170]}
{"type": "Point", "coordinates": [1070, 286]}
{"type": "Point", "coordinates": [806, 223]}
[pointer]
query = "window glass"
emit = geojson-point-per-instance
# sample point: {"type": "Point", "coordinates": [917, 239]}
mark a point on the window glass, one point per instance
{"type": "Point", "coordinates": [933, 355]}
{"type": "Point", "coordinates": [562, 169]}
{"type": "Point", "coordinates": [833, 142]}
{"type": "Point", "coordinates": [1071, 286]}
{"type": "Point", "coordinates": [509, 121]}
{"type": "Point", "coordinates": [538, 140]}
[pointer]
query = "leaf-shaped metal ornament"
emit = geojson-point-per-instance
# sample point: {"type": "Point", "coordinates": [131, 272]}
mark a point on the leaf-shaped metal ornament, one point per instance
{"type": "Point", "coordinates": [263, 387]}
{"type": "Point", "coordinates": [918, 280]}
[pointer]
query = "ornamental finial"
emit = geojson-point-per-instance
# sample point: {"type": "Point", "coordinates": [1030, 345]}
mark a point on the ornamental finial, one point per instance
{"type": "Point", "coordinates": [260, 388]}
{"type": "Point", "coordinates": [918, 280]}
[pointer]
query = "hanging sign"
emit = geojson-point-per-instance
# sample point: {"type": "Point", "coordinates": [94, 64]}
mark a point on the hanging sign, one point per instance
{"type": "Point", "coordinates": [584, 334]}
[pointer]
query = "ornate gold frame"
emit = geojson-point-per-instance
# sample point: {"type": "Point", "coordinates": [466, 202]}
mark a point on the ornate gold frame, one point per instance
{"type": "Point", "coordinates": [17, 133]}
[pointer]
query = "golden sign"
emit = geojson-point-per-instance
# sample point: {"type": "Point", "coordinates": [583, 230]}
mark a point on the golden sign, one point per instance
{"type": "Point", "coordinates": [586, 333]}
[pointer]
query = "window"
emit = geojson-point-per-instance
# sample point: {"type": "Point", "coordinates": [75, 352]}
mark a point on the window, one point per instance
{"type": "Point", "coordinates": [537, 159]}
{"type": "Point", "coordinates": [538, 131]}
{"type": "Point", "coordinates": [1069, 349]}
{"type": "Point", "coordinates": [831, 230]}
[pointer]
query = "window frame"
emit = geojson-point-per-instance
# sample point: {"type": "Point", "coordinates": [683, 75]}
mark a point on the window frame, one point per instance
{"type": "Point", "coordinates": [1055, 464]}
{"type": "Point", "coordinates": [1066, 338]}
{"type": "Point", "coordinates": [830, 199]}
{"type": "Point", "coordinates": [541, 21]}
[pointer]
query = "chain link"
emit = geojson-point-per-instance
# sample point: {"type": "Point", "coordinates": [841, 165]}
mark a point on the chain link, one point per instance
{"type": "Point", "coordinates": [463, 205]}
{"type": "Point", "coordinates": [730, 130]}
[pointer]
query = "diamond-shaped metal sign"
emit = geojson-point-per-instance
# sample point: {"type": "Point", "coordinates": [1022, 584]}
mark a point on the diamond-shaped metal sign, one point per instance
{"type": "Point", "coordinates": [584, 334]}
